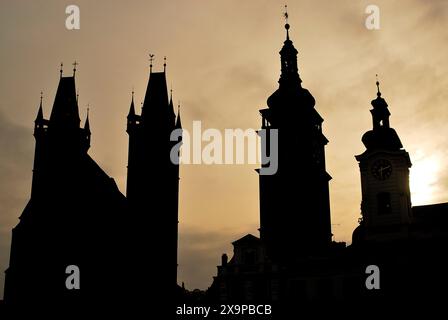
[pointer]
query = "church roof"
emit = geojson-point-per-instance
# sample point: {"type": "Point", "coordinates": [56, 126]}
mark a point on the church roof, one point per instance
{"type": "Point", "coordinates": [156, 97]}
{"type": "Point", "coordinates": [65, 107]}
{"type": "Point", "coordinates": [247, 239]}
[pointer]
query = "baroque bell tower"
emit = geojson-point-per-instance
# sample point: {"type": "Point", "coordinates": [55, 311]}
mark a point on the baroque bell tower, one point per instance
{"type": "Point", "coordinates": [294, 202]}
{"type": "Point", "coordinates": [386, 198]}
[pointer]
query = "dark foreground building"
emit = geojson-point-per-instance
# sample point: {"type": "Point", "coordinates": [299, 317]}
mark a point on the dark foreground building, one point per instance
{"type": "Point", "coordinates": [124, 247]}
{"type": "Point", "coordinates": [294, 265]}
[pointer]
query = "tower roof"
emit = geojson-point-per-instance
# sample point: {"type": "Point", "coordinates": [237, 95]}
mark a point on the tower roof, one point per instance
{"type": "Point", "coordinates": [178, 120]}
{"type": "Point", "coordinates": [156, 97]}
{"type": "Point", "coordinates": [40, 112]}
{"type": "Point", "coordinates": [65, 108]}
{"type": "Point", "coordinates": [131, 108]}
{"type": "Point", "coordinates": [290, 92]}
{"type": "Point", "coordinates": [382, 136]}
{"type": "Point", "coordinates": [87, 123]}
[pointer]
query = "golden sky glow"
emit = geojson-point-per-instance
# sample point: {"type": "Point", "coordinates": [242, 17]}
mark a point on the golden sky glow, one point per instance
{"type": "Point", "coordinates": [223, 63]}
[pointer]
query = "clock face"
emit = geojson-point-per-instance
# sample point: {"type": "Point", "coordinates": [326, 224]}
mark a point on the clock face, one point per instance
{"type": "Point", "coordinates": [381, 169]}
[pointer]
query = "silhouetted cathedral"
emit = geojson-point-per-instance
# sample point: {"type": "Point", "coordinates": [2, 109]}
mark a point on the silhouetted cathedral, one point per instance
{"type": "Point", "coordinates": [123, 246]}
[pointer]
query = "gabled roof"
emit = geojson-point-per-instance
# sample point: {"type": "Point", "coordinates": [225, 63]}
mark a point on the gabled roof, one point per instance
{"type": "Point", "coordinates": [247, 239]}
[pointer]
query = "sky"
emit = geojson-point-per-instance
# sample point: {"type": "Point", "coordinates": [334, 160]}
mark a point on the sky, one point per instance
{"type": "Point", "coordinates": [222, 64]}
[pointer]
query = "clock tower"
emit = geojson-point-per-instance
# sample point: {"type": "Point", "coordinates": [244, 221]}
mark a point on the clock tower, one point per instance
{"type": "Point", "coordinates": [386, 199]}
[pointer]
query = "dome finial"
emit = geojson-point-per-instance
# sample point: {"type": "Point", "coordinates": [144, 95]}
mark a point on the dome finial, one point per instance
{"type": "Point", "coordinates": [285, 14]}
{"type": "Point", "coordinates": [378, 86]}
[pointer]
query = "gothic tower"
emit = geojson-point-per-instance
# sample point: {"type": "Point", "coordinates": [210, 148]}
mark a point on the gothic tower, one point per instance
{"type": "Point", "coordinates": [386, 198]}
{"type": "Point", "coordinates": [294, 202]}
{"type": "Point", "coordinates": [70, 219]}
{"type": "Point", "coordinates": [153, 187]}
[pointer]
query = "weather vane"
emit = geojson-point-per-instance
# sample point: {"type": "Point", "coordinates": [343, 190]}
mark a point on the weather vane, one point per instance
{"type": "Point", "coordinates": [285, 14]}
{"type": "Point", "coordinates": [378, 85]}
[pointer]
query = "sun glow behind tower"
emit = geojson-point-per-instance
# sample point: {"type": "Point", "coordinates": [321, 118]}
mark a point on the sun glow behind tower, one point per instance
{"type": "Point", "coordinates": [423, 178]}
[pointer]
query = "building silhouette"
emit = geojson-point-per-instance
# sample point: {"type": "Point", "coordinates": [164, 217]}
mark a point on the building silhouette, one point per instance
{"type": "Point", "coordinates": [294, 264]}
{"type": "Point", "coordinates": [287, 229]}
{"type": "Point", "coordinates": [124, 247]}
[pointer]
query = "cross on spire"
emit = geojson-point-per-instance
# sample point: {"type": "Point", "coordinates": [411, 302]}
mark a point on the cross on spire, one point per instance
{"type": "Point", "coordinates": [74, 67]}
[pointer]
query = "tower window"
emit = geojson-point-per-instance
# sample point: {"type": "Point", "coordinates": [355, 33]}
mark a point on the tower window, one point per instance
{"type": "Point", "coordinates": [384, 206]}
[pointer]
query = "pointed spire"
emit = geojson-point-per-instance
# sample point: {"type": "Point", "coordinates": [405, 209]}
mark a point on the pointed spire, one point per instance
{"type": "Point", "coordinates": [87, 123]}
{"type": "Point", "coordinates": [40, 113]}
{"type": "Point", "coordinates": [132, 108]}
{"type": "Point", "coordinates": [171, 98]}
{"type": "Point", "coordinates": [178, 120]}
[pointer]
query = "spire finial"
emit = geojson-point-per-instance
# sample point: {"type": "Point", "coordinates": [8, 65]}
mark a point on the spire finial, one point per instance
{"type": "Point", "coordinates": [151, 59]}
{"type": "Point", "coordinates": [285, 14]}
{"type": "Point", "coordinates": [378, 86]}
{"type": "Point", "coordinates": [60, 70]}
{"type": "Point", "coordinates": [74, 67]}
{"type": "Point", "coordinates": [164, 63]}
{"type": "Point", "coordinates": [132, 94]}
{"type": "Point", "coordinates": [41, 96]}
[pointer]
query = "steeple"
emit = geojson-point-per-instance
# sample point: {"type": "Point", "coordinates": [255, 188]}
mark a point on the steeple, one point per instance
{"type": "Point", "coordinates": [380, 112]}
{"type": "Point", "coordinates": [87, 124]}
{"type": "Point", "coordinates": [178, 121]}
{"type": "Point", "coordinates": [289, 70]}
{"type": "Point", "coordinates": [65, 113]}
{"type": "Point", "coordinates": [131, 113]}
{"type": "Point", "coordinates": [40, 113]}
{"type": "Point", "coordinates": [382, 136]}
{"type": "Point", "coordinates": [156, 103]}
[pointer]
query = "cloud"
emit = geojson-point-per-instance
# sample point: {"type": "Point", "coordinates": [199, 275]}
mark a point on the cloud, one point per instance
{"type": "Point", "coordinates": [200, 252]}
